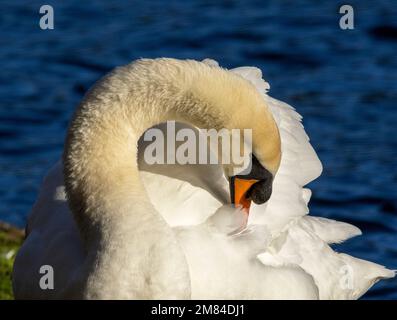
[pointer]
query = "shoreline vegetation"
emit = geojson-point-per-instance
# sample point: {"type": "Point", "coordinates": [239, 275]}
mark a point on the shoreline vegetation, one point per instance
{"type": "Point", "coordinates": [11, 239]}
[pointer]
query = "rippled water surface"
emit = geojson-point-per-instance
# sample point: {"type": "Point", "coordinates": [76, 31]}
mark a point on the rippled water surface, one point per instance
{"type": "Point", "coordinates": [342, 82]}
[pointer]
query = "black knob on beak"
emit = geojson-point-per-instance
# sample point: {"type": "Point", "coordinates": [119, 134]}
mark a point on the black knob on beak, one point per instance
{"type": "Point", "coordinates": [255, 186]}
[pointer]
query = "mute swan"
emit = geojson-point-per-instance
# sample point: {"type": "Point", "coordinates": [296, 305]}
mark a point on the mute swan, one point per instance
{"type": "Point", "coordinates": [168, 232]}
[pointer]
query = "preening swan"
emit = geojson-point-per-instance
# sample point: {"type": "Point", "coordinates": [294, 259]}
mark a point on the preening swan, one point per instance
{"type": "Point", "coordinates": [169, 231]}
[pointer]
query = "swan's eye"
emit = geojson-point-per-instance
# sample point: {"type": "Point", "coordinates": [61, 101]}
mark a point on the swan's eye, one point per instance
{"type": "Point", "coordinates": [256, 186]}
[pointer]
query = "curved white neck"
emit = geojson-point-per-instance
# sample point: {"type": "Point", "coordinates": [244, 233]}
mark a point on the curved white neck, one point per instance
{"type": "Point", "coordinates": [131, 251]}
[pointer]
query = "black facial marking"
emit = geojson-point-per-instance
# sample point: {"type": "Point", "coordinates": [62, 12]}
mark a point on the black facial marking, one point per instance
{"type": "Point", "coordinates": [258, 172]}
{"type": "Point", "coordinates": [261, 191]}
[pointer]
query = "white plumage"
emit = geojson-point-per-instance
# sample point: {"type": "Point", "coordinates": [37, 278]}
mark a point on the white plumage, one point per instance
{"type": "Point", "coordinates": [281, 252]}
{"type": "Point", "coordinates": [299, 239]}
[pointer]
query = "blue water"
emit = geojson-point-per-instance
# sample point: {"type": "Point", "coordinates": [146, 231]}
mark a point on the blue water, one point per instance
{"type": "Point", "coordinates": [344, 83]}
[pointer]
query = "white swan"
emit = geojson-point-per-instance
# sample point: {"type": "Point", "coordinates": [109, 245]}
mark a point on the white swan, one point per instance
{"type": "Point", "coordinates": [180, 238]}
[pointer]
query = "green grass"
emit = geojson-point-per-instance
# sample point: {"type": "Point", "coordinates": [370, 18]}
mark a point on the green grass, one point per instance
{"type": "Point", "coordinates": [10, 241]}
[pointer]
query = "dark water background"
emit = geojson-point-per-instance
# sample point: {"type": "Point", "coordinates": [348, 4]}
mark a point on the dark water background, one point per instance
{"type": "Point", "coordinates": [342, 81]}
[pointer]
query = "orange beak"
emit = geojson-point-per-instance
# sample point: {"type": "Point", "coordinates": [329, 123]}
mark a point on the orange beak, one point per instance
{"type": "Point", "coordinates": [238, 189]}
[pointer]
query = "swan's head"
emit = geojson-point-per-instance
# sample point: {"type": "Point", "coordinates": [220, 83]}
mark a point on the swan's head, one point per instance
{"type": "Point", "coordinates": [236, 103]}
{"type": "Point", "coordinates": [255, 186]}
